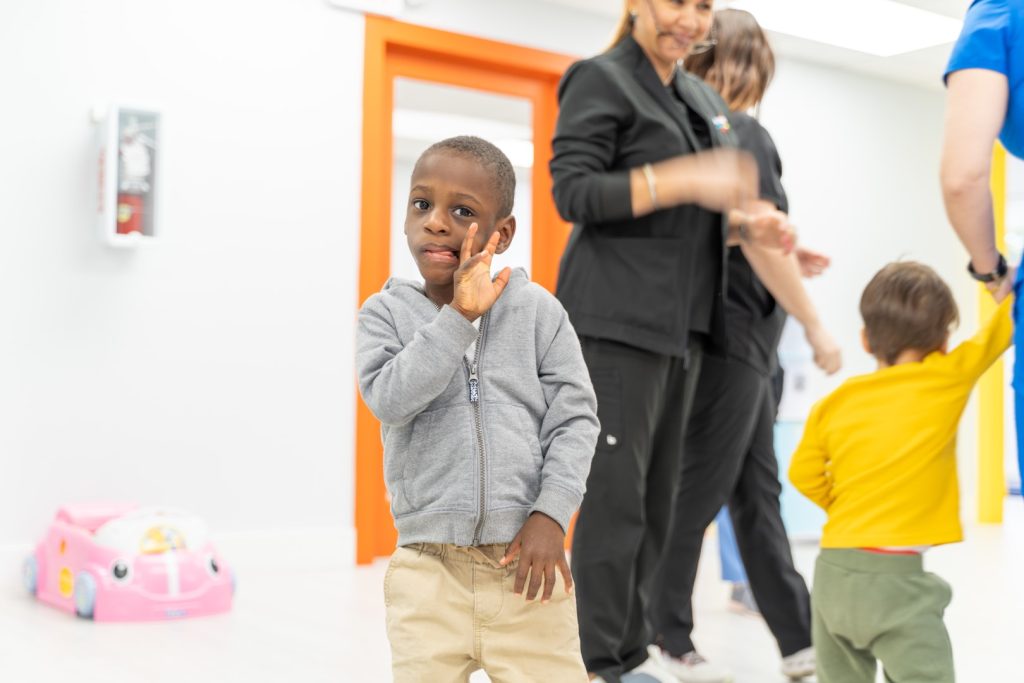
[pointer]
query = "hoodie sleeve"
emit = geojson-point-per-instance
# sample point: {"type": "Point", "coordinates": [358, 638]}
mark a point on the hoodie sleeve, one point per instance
{"type": "Point", "coordinates": [569, 430]}
{"type": "Point", "coordinates": [398, 382]}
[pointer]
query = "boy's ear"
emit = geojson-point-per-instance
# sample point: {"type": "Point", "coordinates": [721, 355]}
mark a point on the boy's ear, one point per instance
{"type": "Point", "coordinates": [507, 230]}
{"type": "Point", "coordinates": [864, 341]}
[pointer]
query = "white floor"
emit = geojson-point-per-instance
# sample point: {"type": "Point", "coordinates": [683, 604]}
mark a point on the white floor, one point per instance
{"type": "Point", "coordinates": [302, 624]}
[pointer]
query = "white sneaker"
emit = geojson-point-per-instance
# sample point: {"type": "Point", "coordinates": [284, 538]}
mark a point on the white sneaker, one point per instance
{"type": "Point", "coordinates": [799, 664]}
{"type": "Point", "coordinates": [692, 668]}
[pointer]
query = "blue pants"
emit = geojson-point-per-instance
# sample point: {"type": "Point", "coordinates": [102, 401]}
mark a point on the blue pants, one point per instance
{"type": "Point", "coordinates": [732, 564]}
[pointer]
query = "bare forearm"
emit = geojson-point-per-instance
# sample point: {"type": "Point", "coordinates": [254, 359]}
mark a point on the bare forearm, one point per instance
{"type": "Point", "coordinates": [975, 109]}
{"type": "Point", "coordinates": [780, 274]}
{"type": "Point", "coordinates": [969, 208]}
{"type": "Point", "coordinates": [671, 183]}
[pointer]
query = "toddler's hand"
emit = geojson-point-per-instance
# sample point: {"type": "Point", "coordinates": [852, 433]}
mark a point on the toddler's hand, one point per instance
{"type": "Point", "coordinates": [540, 545]}
{"type": "Point", "coordinates": [1002, 288]}
{"type": "Point", "coordinates": [475, 292]}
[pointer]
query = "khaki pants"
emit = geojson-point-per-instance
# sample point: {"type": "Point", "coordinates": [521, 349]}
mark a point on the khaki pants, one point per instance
{"type": "Point", "coordinates": [870, 607]}
{"type": "Point", "coordinates": [451, 611]}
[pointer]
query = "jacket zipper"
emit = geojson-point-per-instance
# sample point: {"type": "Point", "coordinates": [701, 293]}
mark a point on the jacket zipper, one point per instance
{"type": "Point", "coordinates": [473, 383]}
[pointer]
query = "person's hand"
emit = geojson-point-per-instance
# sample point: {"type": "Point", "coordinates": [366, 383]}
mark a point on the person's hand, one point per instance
{"type": "Point", "coordinates": [718, 179]}
{"type": "Point", "coordinates": [827, 355]}
{"type": "Point", "coordinates": [1002, 288]}
{"type": "Point", "coordinates": [475, 291]}
{"type": "Point", "coordinates": [540, 545]}
{"type": "Point", "coordinates": [812, 263]}
{"type": "Point", "coordinates": [770, 229]}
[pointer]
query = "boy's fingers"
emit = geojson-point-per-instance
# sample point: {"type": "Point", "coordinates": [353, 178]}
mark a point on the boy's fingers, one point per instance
{"type": "Point", "coordinates": [549, 584]}
{"type": "Point", "coordinates": [563, 566]}
{"type": "Point", "coordinates": [501, 281]}
{"type": "Point", "coordinates": [521, 572]}
{"type": "Point", "coordinates": [511, 551]}
{"type": "Point", "coordinates": [536, 576]}
{"type": "Point", "coordinates": [492, 243]}
{"type": "Point", "coordinates": [467, 243]}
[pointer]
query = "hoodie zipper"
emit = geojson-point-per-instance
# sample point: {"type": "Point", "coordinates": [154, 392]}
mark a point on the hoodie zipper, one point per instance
{"type": "Point", "coordinates": [473, 383]}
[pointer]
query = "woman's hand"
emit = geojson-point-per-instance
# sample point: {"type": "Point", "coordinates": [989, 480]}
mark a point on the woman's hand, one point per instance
{"type": "Point", "coordinates": [769, 229]}
{"type": "Point", "coordinates": [718, 179]}
{"type": "Point", "coordinates": [827, 355]}
{"type": "Point", "coordinates": [475, 291]}
{"type": "Point", "coordinates": [812, 263]}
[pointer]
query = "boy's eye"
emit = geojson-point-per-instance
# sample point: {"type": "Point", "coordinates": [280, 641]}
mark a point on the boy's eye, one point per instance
{"type": "Point", "coordinates": [463, 212]}
{"type": "Point", "coordinates": [421, 204]}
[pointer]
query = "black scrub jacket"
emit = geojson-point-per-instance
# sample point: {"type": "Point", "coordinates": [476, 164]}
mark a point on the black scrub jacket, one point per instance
{"type": "Point", "coordinates": [622, 278]}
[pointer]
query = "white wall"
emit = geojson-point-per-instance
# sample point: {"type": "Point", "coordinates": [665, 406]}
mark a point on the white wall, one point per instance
{"type": "Point", "coordinates": [860, 163]}
{"type": "Point", "coordinates": [214, 370]}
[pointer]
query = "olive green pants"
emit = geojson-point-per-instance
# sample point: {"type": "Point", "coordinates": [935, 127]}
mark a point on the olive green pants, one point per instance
{"type": "Point", "coordinates": [451, 611]}
{"type": "Point", "coordinates": [873, 607]}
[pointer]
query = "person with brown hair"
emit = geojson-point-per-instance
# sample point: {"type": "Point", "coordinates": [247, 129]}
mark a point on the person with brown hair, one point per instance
{"type": "Point", "coordinates": [729, 455]}
{"type": "Point", "coordinates": [886, 476]}
{"type": "Point", "coordinates": [646, 166]}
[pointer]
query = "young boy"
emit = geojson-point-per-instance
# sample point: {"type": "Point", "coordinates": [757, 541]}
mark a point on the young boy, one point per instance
{"type": "Point", "coordinates": [878, 454]}
{"type": "Point", "coordinates": [489, 424]}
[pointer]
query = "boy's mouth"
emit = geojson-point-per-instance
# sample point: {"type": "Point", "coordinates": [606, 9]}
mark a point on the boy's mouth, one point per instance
{"type": "Point", "coordinates": [440, 254]}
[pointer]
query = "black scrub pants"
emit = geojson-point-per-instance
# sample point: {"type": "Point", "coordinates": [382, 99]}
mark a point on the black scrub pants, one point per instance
{"type": "Point", "coordinates": [729, 458]}
{"type": "Point", "coordinates": [643, 400]}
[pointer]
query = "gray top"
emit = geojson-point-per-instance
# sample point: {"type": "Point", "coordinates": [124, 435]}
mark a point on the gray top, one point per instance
{"type": "Point", "coordinates": [472, 447]}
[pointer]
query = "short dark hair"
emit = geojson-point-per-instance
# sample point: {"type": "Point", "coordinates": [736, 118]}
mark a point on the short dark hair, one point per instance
{"type": "Point", "coordinates": [488, 156]}
{"type": "Point", "coordinates": [907, 306]}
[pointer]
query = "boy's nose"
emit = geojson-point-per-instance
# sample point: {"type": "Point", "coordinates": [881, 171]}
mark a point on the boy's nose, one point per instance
{"type": "Point", "coordinates": [434, 224]}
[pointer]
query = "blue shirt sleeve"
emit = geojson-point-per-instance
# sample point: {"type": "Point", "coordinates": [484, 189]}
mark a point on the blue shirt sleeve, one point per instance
{"type": "Point", "coordinates": [983, 42]}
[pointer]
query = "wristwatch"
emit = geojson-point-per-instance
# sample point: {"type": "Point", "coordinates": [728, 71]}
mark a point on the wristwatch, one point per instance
{"type": "Point", "coordinates": [998, 274]}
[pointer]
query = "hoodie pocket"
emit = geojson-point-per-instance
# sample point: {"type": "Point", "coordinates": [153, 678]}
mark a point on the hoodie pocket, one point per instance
{"type": "Point", "coordinates": [514, 457]}
{"type": "Point", "coordinates": [440, 471]}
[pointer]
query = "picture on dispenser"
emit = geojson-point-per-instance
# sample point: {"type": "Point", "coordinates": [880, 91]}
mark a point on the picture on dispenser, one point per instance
{"type": "Point", "coordinates": [136, 156]}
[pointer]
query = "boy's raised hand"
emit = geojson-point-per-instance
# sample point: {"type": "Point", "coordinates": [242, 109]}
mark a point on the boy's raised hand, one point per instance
{"type": "Point", "coordinates": [540, 545]}
{"type": "Point", "coordinates": [475, 291]}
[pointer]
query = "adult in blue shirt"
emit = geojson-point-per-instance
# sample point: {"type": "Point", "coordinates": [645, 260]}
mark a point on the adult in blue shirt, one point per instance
{"type": "Point", "coordinates": [985, 101]}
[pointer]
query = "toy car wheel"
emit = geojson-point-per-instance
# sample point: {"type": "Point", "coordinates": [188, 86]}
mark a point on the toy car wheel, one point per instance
{"type": "Point", "coordinates": [30, 575]}
{"type": "Point", "coordinates": [85, 595]}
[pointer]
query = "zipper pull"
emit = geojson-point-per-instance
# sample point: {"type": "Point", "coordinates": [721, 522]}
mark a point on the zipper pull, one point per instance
{"type": "Point", "coordinates": [474, 385]}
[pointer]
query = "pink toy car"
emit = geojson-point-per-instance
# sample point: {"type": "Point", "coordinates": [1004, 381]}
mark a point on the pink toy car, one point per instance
{"type": "Point", "coordinates": [125, 563]}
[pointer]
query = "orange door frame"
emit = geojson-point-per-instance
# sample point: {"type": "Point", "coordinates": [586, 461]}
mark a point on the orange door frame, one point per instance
{"type": "Point", "coordinates": [396, 49]}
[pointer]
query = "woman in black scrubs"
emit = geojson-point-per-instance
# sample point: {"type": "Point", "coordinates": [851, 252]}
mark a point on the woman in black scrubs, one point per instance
{"type": "Point", "coordinates": [645, 165]}
{"type": "Point", "coordinates": [728, 453]}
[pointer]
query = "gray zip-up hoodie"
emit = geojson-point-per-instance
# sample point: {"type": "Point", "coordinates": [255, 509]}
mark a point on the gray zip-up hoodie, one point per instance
{"type": "Point", "coordinates": [472, 448]}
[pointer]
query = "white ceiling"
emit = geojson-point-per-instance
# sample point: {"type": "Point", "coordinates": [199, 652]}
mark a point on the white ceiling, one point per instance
{"type": "Point", "coordinates": [923, 67]}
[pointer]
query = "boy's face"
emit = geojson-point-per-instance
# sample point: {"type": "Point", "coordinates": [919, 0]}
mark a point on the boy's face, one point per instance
{"type": "Point", "coordinates": [449, 193]}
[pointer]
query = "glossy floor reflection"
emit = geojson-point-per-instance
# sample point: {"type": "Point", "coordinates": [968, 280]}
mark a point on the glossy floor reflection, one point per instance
{"type": "Point", "coordinates": [311, 625]}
